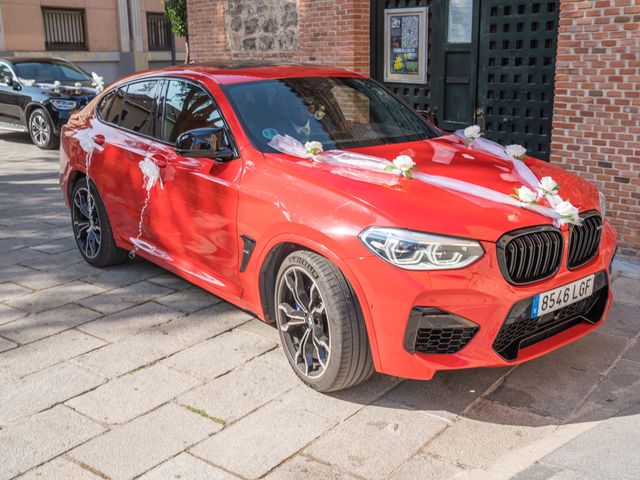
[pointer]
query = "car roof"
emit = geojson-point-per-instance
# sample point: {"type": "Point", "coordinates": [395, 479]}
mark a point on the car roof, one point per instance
{"type": "Point", "coordinates": [239, 72]}
{"type": "Point", "coordinates": [15, 60]}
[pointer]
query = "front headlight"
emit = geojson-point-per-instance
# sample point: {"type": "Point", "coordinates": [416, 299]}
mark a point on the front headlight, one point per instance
{"type": "Point", "coordinates": [603, 205]}
{"type": "Point", "coordinates": [63, 104]}
{"type": "Point", "coordinates": [420, 251]}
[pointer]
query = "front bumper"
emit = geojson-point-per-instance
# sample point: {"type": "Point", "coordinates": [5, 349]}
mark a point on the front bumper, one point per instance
{"type": "Point", "coordinates": [478, 293]}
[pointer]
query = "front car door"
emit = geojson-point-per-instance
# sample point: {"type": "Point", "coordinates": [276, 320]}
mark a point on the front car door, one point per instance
{"type": "Point", "coordinates": [10, 100]}
{"type": "Point", "coordinates": [192, 222]}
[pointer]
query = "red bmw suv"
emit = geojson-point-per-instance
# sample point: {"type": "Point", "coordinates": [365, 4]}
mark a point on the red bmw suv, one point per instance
{"type": "Point", "coordinates": [407, 278]}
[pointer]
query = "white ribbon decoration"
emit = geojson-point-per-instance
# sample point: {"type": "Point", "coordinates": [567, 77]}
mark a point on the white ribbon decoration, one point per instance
{"type": "Point", "coordinates": [527, 177]}
{"type": "Point", "coordinates": [56, 86]}
{"type": "Point", "coordinates": [150, 177]}
{"type": "Point", "coordinates": [371, 169]}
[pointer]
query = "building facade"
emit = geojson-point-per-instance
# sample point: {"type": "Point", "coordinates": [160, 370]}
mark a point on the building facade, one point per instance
{"type": "Point", "coordinates": [109, 37]}
{"type": "Point", "coordinates": [561, 77]}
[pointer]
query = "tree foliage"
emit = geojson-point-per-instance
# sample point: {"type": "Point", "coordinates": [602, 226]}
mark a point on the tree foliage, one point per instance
{"type": "Point", "coordinates": [176, 10]}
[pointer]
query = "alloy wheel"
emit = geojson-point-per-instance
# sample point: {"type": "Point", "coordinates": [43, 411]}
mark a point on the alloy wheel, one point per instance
{"type": "Point", "coordinates": [302, 317]}
{"type": "Point", "coordinates": [40, 131]}
{"type": "Point", "coordinates": [86, 223]}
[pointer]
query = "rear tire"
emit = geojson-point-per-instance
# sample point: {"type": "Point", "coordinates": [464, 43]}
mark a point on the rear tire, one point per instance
{"type": "Point", "coordinates": [91, 227]}
{"type": "Point", "coordinates": [41, 130]}
{"type": "Point", "coordinates": [320, 323]}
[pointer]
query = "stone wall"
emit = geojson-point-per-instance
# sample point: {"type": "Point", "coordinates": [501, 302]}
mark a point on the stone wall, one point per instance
{"type": "Point", "coordinates": [305, 31]}
{"type": "Point", "coordinates": [262, 25]}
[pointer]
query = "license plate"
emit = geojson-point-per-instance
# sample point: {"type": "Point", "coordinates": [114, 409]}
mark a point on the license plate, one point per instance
{"type": "Point", "coordinates": [560, 297]}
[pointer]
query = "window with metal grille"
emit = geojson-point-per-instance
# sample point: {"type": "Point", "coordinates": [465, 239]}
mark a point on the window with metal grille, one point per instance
{"type": "Point", "coordinates": [64, 29]}
{"type": "Point", "coordinates": [158, 31]}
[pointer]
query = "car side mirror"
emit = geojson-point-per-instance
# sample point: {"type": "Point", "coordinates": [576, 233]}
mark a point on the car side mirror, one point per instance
{"type": "Point", "coordinates": [204, 143]}
{"type": "Point", "coordinates": [428, 116]}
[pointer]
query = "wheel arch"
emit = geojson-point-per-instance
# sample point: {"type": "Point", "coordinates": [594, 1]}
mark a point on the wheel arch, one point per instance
{"type": "Point", "coordinates": [268, 271]}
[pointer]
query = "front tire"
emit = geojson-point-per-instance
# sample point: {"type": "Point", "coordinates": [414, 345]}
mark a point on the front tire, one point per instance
{"type": "Point", "coordinates": [320, 324]}
{"type": "Point", "coordinates": [91, 227]}
{"type": "Point", "coordinates": [41, 130]}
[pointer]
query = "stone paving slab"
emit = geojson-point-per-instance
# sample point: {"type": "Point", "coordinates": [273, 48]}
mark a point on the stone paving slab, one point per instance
{"type": "Point", "coordinates": [59, 469]}
{"type": "Point", "coordinates": [133, 394]}
{"type": "Point", "coordinates": [253, 384]}
{"type": "Point", "coordinates": [119, 299]}
{"type": "Point", "coordinates": [189, 300]}
{"type": "Point", "coordinates": [129, 322]}
{"type": "Point", "coordinates": [42, 437]}
{"type": "Point", "coordinates": [391, 435]}
{"type": "Point", "coordinates": [302, 467]}
{"type": "Point", "coordinates": [41, 325]}
{"type": "Point", "coordinates": [206, 323]}
{"type": "Point", "coordinates": [6, 344]}
{"type": "Point", "coordinates": [131, 353]}
{"type": "Point", "coordinates": [261, 441]}
{"type": "Point", "coordinates": [23, 397]}
{"type": "Point", "coordinates": [187, 467]}
{"type": "Point", "coordinates": [47, 352]}
{"type": "Point", "coordinates": [212, 358]}
{"type": "Point", "coordinates": [129, 450]}
{"type": "Point", "coordinates": [54, 297]}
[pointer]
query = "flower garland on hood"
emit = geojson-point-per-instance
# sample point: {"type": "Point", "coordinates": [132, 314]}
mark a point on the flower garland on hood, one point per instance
{"type": "Point", "coordinates": [379, 171]}
{"type": "Point", "coordinates": [97, 83]}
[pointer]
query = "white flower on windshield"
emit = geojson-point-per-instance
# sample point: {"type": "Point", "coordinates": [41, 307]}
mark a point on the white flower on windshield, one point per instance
{"type": "Point", "coordinates": [97, 81]}
{"type": "Point", "coordinates": [403, 165]}
{"type": "Point", "coordinates": [567, 212]}
{"type": "Point", "coordinates": [471, 134]}
{"type": "Point", "coordinates": [525, 195]}
{"type": "Point", "coordinates": [313, 148]}
{"type": "Point", "coordinates": [548, 186]}
{"type": "Point", "coordinates": [516, 151]}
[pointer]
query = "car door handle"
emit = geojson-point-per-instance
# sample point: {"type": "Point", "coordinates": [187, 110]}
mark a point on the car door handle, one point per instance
{"type": "Point", "coordinates": [99, 139]}
{"type": "Point", "coordinates": [159, 160]}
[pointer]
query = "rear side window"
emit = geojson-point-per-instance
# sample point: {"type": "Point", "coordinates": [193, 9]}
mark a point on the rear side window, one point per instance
{"type": "Point", "coordinates": [187, 107]}
{"type": "Point", "coordinates": [139, 107]}
{"type": "Point", "coordinates": [111, 106]}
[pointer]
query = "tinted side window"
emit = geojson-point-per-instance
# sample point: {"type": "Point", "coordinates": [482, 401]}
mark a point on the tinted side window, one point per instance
{"type": "Point", "coordinates": [139, 107]}
{"type": "Point", "coordinates": [5, 72]}
{"type": "Point", "coordinates": [187, 106]}
{"type": "Point", "coordinates": [111, 106]}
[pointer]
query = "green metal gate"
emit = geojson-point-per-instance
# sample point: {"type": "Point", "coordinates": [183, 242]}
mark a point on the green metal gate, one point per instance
{"type": "Point", "coordinates": [501, 76]}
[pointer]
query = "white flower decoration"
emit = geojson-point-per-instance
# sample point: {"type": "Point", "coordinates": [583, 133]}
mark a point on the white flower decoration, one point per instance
{"type": "Point", "coordinates": [547, 186]}
{"type": "Point", "coordinates": [472, 133]}
{"type": "Point", "coordinates": [77, 84]}
{"type": "Point", "coordinates": [28, 82]}
{"type": "Point", "coordinates": [402, 165]}
{"type": "Point", "coordinates": [567, 211]}
{"type": "Point", "coordinates": [151, 174]}
{"type": "Point", "coordinates": [313, 148]}
{"type": "Point", "coordinates": [97, 81]}
{"type": "Point", "coordinates": [525, 195]}
{"type": "Point", "coordinates": [516, 151]}
{"type": "Point", "coordinates": [56, 84]}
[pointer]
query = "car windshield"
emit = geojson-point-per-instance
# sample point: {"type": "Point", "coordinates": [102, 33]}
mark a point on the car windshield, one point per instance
{"type": "Point", "coordinates": [49, 72]}
{"type": "Point", "coordinates": [339, 112]}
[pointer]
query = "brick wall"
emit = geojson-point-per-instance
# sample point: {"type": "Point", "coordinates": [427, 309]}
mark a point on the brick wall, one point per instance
{"type": "Point", "coordinates": [596, 124]}
{"type": "Point", "coordinates": [333, 32]}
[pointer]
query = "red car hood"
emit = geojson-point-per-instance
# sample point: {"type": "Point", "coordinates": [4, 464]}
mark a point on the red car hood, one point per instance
{"type": "Point", "coordinates": [419, 206]}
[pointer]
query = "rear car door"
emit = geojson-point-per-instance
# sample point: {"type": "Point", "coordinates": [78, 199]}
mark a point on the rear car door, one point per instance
{"type": "Point", "coordinates": [128, 122]}
{"type": "Point", "coordinates": [192, 222]}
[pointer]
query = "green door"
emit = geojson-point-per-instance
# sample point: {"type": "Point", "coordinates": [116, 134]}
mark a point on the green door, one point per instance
{"type": "Point", "coordinates": [490, 62]}
{"type": "Point", "coordinates": [516, 72]}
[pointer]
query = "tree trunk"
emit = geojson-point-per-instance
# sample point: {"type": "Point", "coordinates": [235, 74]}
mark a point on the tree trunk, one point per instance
{"type": "Point", "coordinates": [187, 55]}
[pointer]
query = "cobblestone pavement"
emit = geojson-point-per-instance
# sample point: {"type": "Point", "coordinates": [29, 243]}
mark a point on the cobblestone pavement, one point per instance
{"type": "Point", "coordinates": [131, 371]}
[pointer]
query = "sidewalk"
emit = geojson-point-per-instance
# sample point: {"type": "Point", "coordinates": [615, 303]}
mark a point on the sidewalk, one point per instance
{"type": "Point", "coordinates": [132, 372]}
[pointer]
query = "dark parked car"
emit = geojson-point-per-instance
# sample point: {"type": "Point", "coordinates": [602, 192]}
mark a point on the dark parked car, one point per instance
{"type": "Point", "coordinates": [37, 95]}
